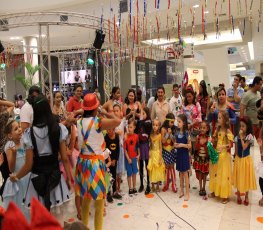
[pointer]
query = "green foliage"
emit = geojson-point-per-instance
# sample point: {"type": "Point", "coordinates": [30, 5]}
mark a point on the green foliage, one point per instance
{"type": "Point", "coordinates": [28, 82]}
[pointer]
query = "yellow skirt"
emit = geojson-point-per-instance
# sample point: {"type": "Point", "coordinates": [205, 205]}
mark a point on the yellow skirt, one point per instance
{"type": "Point", "coordinates": [244, 174]}
{"type": "Point", "coordinates": [221, 176]}
{"type": "Point", "coordinates": [156, 167]}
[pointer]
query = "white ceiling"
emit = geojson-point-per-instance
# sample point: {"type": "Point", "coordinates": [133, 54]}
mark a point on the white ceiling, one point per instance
{"type": "Point", "coordinates": [70, 36]}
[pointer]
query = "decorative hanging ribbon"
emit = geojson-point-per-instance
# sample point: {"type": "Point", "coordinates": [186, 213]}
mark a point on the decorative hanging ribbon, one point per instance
{"type": "Point", "coordinates": [115, 29]}
{"type": "Point", "coordinates": [217, 28]}
{"type": "Point", "coordinates": [109, 30]}
{"type": "Point", "coordinates": [158, 28]}
{"type": "Point", "coordinates": [169, 4]}
{"type": "Point", "coordinates": [244, 26]}
{"type": "Point", "coordinates": [130, 14]}
{"type": "Point", "coordinates": [137, 18]}
{"type": "Point", "coordinates": [233, 26]}
{"type": "Point", "coordinates": [229, 10]}
{"type": "Point", "coordinates": [144, 8]}
{"type": "Point", "coordinates": [158, 4]}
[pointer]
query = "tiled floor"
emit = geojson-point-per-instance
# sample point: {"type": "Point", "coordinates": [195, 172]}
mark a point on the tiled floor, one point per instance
{"type": "Point", "coordinates": [166, 211]}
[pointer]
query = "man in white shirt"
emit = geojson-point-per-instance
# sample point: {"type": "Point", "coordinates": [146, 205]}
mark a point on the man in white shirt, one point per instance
{"type": "Point", "coordinates": [26, 113]}
{"type": "Point", "coordinates": [176, 101]}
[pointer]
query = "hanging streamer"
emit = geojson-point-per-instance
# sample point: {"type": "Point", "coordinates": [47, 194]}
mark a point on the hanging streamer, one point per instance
{"type": "Point", "coordinates": [169, 4]}
{"type": "Point", "coordinates": [109, 30]}
{"type": "Point", "coordinates": [115, 29]}
{"type": "Point", "coordinates": [158, 28]}
{"type": "Point", "coordinates": [130, 14]}
{"type": "Point", "coordinates": [233, 26]}
{"type": "Point", "coordinates": [244, 26]}
{"type": "Point", "coordinates": [158, 4]}
{"type": "Point", "coordinates": [144, 8]}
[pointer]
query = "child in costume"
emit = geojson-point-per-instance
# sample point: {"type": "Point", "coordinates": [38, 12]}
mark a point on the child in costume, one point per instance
{"type": "Point", "coordinates": [120, 131]}
{"type": "Point", "coordinates": [183, 143]}
{"type": "Point", "coordinates": [156, 165]}
{"type": "Point", "coordinates": [201, 158]}
{"type": "Point", "coordinates": [16, 155]}
{"type": "Point", "coordinates": [220, 183]}
{"type": "Point", "coordinates": [112, 143]}
{"type": "Point", "coordinates": [243, 172]}
{"type": "Point", "coordinates": [169, 155]}
{"type": "Point", "coordinates": [132, 155]}
{"type": "Point", "coordinates": [145, 126]}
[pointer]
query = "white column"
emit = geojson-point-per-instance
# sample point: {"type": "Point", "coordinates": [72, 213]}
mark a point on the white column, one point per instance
{"type": "Point", "coordinates": [217, 65]}
{"type": "Point", "coordinates": [31, 55]}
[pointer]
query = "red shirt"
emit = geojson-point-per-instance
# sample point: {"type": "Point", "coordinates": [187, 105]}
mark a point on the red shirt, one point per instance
{"type": "Point", "coordinates": [131, 145]}
{"type": "Point", "coordinates": [73, 104]}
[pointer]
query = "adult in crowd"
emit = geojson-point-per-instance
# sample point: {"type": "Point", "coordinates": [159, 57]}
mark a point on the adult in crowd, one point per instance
{"type": "Point", "coordinates": [192, 109]}
{"type": "Point", "coordinates": [132, 107]}
{"type": "Point", "coordinates": [243, 84]}
{"type": "Point", "coordinates": [43, 141]}
{"type": "Point", "coordinates": [58, 107]}
{"type": "Point", "coordinates": [221, 104]}
{"type": "Point", "coordinates": [248, 104]}
{"type": "Point", "coordinates": [114, 98]}
{"type": "Point", "coordinates": [234, 95]}
{"type": "Point", "coordinates": [26, 113]}
{"type": "Point", "coordinates": [203, 99]}
{"type": "Point", "coordinates": [97, 93]}
{"type": "Point", "coordinates": [6, 109]}
{"type": "Point", "coordinates": [160, 107]}
{"type": "Point", "coordinates": [74, 103]}
{"type": "Point", "coordinates": [90, 174]}
{"type": "Point", "coordinates": [176, 101]}
{"type": "Point", "coordinates": [150, 102]}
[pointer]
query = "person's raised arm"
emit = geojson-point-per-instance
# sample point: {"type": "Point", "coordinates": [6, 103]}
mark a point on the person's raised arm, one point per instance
{"type": "Point", "coordinates": [110, 121]}
{"type": "Point", "coordinates": [65, 161]}
{"type": "Point", "coordinates": [26, 168]}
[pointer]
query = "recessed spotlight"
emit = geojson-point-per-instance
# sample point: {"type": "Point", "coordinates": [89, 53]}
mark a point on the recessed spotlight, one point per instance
{"type": "Point", "coordinates": [206, 12]}
{"type": "Point", "coordinates": [195, 6]}
{"type": "Point", "coordinates": [242, 47]}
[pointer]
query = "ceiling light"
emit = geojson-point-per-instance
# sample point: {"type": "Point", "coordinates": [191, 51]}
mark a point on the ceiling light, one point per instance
{"type": "Point", "coordinates": [195, 6]}
{"type": "Point", "coordinates": [242, 47]}
{"type": "Point", "coordinates": [15, 38]}
{"type": "Point", "coordinates": [206, 12]}
{"type": "Point", "coordinates": [251, 50]}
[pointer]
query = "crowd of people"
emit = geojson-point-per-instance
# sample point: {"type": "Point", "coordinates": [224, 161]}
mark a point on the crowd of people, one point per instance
{"type": "Point", "coordinates": [85, 148]}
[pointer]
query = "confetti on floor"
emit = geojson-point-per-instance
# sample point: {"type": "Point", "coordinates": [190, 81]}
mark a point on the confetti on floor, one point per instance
{"type": "Point", "coordinates": [185, 206]}
{"type": "Point", "coordinates": [150, 195]}
{"type": "Point", "coordinates": [260, 219]}
{"type": "Point", "coordinates": [119, 204]}
{"type": "Point", "coordinates": [126, 216]}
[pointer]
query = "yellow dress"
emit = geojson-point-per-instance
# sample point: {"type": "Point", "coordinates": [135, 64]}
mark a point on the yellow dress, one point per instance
{"type": "Point", "coordinates": [243, 171]}
{"type": "Point", "coordinates": [156, 167]}
{"type": "Point", "coordinates": [220, 173]}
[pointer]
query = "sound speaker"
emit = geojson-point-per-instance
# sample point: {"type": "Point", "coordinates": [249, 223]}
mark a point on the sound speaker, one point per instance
{"type": "Point", "coordinates": [99, 39]}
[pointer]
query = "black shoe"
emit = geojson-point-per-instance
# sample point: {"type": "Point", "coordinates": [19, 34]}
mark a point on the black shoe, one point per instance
{"type": "Point", "coordinates": [109, 198]}
{"type": "Point", "coordinates": [134, 191]}
{"type": "Point", "coordinates": [117, 196]}
{"type": "Point", "coordinates": [130, 191]}
{"type": "Point", "coordinates": [148, 190]}
{"type": "Point", "coordinates": [141, 188]}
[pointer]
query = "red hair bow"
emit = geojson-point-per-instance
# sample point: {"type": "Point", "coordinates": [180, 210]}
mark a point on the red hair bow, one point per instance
{"type": "Point", "coordinates": [41, 219]}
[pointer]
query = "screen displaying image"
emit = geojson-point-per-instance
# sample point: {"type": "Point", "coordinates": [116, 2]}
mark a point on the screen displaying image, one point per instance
{"type": "Point", "coordinates": [76, 76]}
